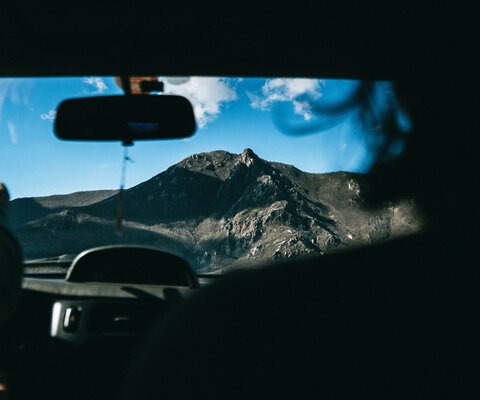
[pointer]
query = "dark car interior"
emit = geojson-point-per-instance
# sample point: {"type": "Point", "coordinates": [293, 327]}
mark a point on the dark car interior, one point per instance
{"type": "Point", "coordinates": [392, 320]}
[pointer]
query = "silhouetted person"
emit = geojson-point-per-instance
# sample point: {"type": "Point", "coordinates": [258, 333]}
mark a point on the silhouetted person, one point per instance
{"type": "Point", "coordinates": [10, 278]}
{"type": "Point", "coordinates": [10, 261]}
{"type": "Point", "coordinates": [392, 320]}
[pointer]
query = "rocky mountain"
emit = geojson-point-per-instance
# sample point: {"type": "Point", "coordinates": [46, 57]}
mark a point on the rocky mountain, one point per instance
{"type": "Point", "coordinates": [218, 210]}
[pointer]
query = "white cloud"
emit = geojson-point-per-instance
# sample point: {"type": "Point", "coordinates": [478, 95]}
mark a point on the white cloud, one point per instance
{"type": "Point", "coordinates": [207, 95]}
{"type": "Point", "coordinates": [95, 85]}
{"type": "Point", "coordinates": [15, 90]}
{"type": "Point", "coordinates": [49, 116]}
{"type": "Point", "coordinates": [12, 132]}
{"type": "Point", "coordinates": [298, 91]}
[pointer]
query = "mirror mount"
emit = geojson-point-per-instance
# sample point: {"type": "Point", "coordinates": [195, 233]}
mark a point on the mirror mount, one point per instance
{"type": "Point", "coordinates": [126, 85]}
{"type": "Point", "coordinates": [139, 84]}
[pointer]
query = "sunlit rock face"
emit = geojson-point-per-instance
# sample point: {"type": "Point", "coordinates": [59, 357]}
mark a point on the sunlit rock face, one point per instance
{"type": "Point", "coordinates": [219, 210]}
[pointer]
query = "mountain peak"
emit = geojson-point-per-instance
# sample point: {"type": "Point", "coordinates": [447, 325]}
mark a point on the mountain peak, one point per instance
{"type": "Point", "coordinates": [248, 156]}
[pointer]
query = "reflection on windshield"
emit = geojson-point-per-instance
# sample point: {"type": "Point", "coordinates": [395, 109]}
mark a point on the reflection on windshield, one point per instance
{"type": "Point", "coordinates": [276, 170]}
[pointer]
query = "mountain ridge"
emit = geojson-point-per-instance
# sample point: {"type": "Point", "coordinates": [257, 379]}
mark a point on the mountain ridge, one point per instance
{"type": "Point", "coordinates": [218, 209]}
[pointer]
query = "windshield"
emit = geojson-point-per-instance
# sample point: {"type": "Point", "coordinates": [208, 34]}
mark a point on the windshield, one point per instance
{"type": "Point", "coordinates": [275, 170]}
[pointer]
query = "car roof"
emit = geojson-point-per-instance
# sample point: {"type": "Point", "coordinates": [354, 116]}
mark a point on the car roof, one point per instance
{"type": "Point", "coordinates": [335, 39]}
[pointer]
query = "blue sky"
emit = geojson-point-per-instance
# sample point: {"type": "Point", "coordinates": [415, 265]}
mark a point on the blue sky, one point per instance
{"type": "Point", "coordinates": [232, 114]}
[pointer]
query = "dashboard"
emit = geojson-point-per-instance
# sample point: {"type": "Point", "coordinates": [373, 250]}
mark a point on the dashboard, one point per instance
{"type": "Point", "coordinates": [88, 311]}
{"type": "Point", "coordinates": [79, 327]}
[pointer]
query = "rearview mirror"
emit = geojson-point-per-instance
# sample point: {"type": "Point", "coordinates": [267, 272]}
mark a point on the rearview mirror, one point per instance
{"type": "Point", "coordinates": [125, 118]}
